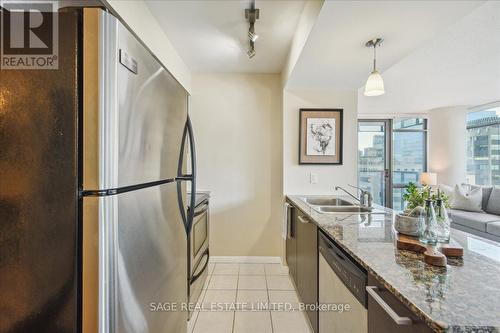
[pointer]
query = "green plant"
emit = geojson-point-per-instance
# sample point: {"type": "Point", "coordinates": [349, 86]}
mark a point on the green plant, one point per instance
{"type": "Point", "coordinates": [415, 196]}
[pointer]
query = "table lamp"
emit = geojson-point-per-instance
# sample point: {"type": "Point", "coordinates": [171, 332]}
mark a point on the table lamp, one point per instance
{"type": "Point", "coordinates": [428, 178]}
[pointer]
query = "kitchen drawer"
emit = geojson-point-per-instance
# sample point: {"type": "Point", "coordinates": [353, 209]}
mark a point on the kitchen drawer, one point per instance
{"type": "Point", "coordinates": [379, 320]}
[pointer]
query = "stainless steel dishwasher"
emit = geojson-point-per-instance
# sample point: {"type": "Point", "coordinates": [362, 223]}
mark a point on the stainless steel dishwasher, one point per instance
{"type": "Point", "coordinates": [341, 282]}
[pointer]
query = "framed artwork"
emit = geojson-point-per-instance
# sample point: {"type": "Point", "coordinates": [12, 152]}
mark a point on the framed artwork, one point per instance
{"type": "Point", "coordinates": [320, 136]}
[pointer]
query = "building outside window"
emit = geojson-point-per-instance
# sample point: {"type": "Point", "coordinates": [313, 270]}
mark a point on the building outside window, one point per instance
{"type": "Point", "coordinates": [409, 158]}
{"type": "Point", "coordinates": [483, 146]}
{"type": "Point", "coordinates": [372, 158]}
{"type": "Point", "coordinates": [391, 154]}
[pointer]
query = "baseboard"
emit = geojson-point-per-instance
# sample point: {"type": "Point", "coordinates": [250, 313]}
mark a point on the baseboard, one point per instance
{"type": "Point", "coordinates": [246, 259]}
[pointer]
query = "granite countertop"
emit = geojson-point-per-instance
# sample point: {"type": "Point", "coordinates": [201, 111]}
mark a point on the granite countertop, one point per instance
{"type": "Point", "coordinates": [464, 296]}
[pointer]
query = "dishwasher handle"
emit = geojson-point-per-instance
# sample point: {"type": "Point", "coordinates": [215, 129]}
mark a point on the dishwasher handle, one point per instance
{"type": "Point", "coordinates": [372, 291]}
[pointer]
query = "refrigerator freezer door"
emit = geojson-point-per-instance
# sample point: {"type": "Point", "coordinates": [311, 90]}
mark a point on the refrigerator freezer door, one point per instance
{"type": "Point", "coordinates": [142, 111]}
{"type": "Point", "coordinates": [152, 113]}
{"type": "Point", "coordinates": [144, 272]}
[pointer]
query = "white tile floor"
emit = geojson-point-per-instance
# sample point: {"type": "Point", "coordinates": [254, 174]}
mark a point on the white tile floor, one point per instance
{"type": "Point", "coordinates": [233, 297]}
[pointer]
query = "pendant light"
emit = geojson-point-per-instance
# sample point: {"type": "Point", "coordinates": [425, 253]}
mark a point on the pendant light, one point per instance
{"type": "Point", "coordinates": [375, 84]}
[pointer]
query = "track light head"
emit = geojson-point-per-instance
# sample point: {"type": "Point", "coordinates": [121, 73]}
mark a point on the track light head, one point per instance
{"type": "Point", "coordinates": [251, 53]}
{"type": "Point", "coordinates": [253, 36]}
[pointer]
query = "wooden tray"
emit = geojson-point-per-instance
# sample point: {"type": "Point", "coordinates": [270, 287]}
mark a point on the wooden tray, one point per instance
{"type": "Point", "coordinates": [433, 255]}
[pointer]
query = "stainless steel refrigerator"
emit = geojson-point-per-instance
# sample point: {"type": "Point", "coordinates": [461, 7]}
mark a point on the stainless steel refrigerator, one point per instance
{"type": "Point", "coordinates": [93, 184]}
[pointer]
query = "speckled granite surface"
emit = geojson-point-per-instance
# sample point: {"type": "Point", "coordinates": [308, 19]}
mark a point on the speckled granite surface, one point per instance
{"type": "Point", "coordinates": [463, 297]}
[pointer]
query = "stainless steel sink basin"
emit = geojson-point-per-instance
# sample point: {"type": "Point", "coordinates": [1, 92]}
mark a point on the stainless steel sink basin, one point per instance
{"type": "Point", "coordinates": [343, 209]}
{"type": "Point", "coordinates": [328, 202]}
{"type": "Point", "coordinates": [333, 205]}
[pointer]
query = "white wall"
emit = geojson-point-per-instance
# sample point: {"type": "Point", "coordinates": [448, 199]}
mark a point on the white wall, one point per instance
{"type": "Point", "coordinates": [138, 17]}
{"type": "Point", "coordinates": [237, 123]}
{"type": "Point", "coordinates": [296, 177]}
{"type": "Point", "coordinates": [304, 26]}
{"type": "Point", "coordinates": [448, 144]}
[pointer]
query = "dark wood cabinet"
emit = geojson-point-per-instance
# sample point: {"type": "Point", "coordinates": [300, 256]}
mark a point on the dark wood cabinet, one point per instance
{"type": "Point", "coordinates": [307, 264]}
{"type": "Point", "coordinates": [302, 259]}
{"type": "Point", "coordinates": [291, 245]}
{"type": "Point", "coordinates": [384, 309]}
{"type": "Point", "coordinates": [379, 320]}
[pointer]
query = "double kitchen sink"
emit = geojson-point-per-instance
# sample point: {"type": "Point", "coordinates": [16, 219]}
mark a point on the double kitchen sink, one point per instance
{"type": "Point", "coordinates": [333, 205]}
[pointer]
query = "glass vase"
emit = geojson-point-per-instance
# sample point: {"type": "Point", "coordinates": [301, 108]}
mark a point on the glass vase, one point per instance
{"type": "Point", "coordinates": [443, 222]}
{"type": "Point", "coordinates": [428, 224]}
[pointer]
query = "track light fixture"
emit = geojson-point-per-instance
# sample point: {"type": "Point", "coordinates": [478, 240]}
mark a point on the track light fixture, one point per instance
{"type": "Point", "coordinates": [252, 14]}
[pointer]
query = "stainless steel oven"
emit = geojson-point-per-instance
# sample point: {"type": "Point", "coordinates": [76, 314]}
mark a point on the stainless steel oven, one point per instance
{"type": "Point", "coordinates": [198, 251]}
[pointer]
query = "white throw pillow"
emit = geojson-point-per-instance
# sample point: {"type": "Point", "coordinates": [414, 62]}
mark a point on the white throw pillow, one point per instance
{"type": "Point", "coordinates": [448, 191]}
{"type": "Point", "coordinates": [467, 201]}
{"type": "Point", "coordinates": [494, 201]}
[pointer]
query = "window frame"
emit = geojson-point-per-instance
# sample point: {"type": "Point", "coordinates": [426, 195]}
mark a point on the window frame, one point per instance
{"type": "Point", "coordinates": [389, 150]}
{"type": "Point", "coordinates": [425, 149]}
{"type": "Point", "coordinates": [388, 157]}
{"type": "Point", "coordinates": [480, 108]}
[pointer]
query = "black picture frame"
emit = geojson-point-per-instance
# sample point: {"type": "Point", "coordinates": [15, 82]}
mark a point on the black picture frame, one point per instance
{"type": "Point", "coordinates": [339, 136]}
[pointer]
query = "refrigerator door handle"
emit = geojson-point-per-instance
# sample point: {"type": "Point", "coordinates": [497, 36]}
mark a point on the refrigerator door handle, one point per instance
{"type": "Point", "coordinates": [182, 210]}
{"type": "Point", "coordinates": [188, 219]}
{"type": "Point", "coordinates": [193, 174]}
{"type": "Point", "coordinates": [124, 189]}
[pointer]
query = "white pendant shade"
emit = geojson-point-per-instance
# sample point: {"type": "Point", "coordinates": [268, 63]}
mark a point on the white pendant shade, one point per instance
{"type": "Point", "coordinates": [374, 84]}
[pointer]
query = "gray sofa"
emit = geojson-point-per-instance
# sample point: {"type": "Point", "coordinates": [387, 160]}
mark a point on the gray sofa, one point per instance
{"type": "Point", "coordinates": [485, 224]}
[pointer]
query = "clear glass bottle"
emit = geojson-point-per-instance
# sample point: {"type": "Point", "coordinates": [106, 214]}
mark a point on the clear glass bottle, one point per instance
{"type": "Point", "coordinates": [443, 221]}
{"type": "Point", "coordinates": [428, 224]}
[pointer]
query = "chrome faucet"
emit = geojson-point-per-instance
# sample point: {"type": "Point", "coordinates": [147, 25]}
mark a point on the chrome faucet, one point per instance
{"type": "Point", "coordinates": [352, 195]}
{"type": "Point", "coordinates": [365, 199]}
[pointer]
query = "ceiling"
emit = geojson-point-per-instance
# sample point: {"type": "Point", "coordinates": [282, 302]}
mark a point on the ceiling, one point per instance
{"type": "Point", "coordinates": [211, 36]}
{"type": "Point", "coordinates": [458, 67]}
{"type": "Point", "coordinates": [334, 55]}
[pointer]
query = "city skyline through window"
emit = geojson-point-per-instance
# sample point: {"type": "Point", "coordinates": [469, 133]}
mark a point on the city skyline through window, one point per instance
{"type": "Point", "coordinates": [391, 154]}
{"type": "Point", "coordinates": [483, 147]}
{"type": "Point", "coordinates": [372, 159]}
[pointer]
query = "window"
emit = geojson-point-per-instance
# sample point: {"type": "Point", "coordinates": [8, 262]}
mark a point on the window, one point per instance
{"type": "Point", "coordinates": [483, 146]}
{"type": "Point", "coordinates": [391, 154]}
{"type": "Point", "coordinates": [410, 124]}
{"type": "Point", "coordinates": [409, 156]}
{"type": "Point", "coordinates": [372, 158]}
